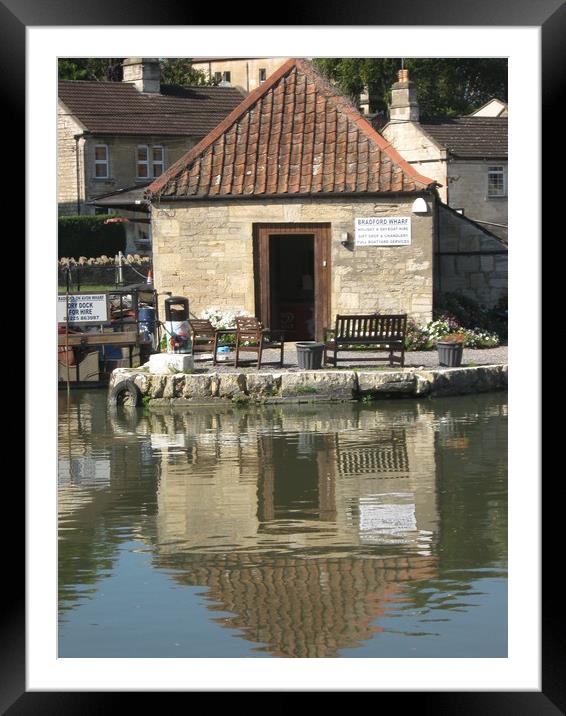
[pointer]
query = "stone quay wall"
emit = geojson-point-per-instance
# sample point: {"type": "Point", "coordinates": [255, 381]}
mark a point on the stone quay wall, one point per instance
{"type": "Point", "coordinates": [309, 386]}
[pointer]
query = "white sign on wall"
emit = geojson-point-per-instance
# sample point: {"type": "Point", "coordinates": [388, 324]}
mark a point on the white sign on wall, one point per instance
{"type": "Point", "coordinates": [383, 231]}
{"type": "Point", "coordinates": [83, 308]}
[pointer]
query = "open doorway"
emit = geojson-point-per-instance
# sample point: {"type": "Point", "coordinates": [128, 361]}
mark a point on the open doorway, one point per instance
{"type": "Point", "coordinates": [292, 278]}
{"type": "Point", "coordinates": [291, 268]}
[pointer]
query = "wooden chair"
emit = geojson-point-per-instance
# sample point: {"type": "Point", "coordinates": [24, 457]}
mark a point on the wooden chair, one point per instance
{"type": "Point", "coordinates": [206, 337]}
{"type": "Point", "coordinates": [252, 337]}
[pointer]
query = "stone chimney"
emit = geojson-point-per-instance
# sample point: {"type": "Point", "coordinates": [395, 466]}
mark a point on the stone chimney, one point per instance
{"type": "Point", "coordinates": [404, 106]}
{"type": "Point", "coordinates": [144, 73]}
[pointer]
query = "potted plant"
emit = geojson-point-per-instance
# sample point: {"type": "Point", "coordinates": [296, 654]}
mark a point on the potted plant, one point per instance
{"type": "Point", "coordinates": [450, 349]}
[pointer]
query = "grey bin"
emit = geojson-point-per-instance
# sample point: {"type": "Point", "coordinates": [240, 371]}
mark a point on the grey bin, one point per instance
{"type": "Point", "coordinates": [450, 354]}
{"type": "Point", "coordinates": [309, 354]}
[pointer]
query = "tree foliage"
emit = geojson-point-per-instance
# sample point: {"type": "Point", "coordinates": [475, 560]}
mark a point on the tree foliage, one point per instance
{"type": "Point", "coordinates": [173, 71]}
{"type": "Point", "coordinates": [89, 236]}
{"type": "Point", "coordinates": [181, 72]}
{"type": "Point", "coordinates": [445, 86]}
{"type": "Point", "coordinates": [88, 68]}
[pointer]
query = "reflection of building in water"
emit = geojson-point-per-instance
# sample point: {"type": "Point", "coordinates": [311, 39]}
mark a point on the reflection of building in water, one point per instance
{"type": "Point", "coordinates": [251, 479]}
{"type": "Point", "coordinates": [299, 607]}
{"type": "Point", "coordinates": [296, 530]}
{"type": "Point", "coordinates": [386, 482]}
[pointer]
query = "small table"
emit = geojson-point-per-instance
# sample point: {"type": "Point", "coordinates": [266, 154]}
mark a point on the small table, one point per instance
{"type": "Point", "coordinates": [218, 333]}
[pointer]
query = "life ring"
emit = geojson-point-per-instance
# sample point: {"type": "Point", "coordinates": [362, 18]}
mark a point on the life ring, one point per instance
{"type": "Point", "coordinates": [127, 393]}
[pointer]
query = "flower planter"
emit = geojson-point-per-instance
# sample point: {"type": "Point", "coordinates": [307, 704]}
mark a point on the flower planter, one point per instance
{"type": "Point", "coordinates": [450, 354]}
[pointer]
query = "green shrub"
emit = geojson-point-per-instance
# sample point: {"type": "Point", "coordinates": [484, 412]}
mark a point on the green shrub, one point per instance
{"type": "Point", "coordinates": [89, 236]}
{"type": "Point", "coordinates": [468, 313]}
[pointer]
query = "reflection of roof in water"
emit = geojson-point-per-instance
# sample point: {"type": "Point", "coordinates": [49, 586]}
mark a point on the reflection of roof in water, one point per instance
{"type": "Point", "coordinates": [298, 607]}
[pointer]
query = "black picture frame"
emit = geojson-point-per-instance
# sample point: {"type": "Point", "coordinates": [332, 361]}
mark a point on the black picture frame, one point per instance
{"type": "Point", "coordinates": [550, 16]}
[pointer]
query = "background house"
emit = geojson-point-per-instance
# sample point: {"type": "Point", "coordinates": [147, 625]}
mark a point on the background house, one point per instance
{"type": "Point", "coordinates": [116, 136]}
{"type": "Point", "coordinates": [493, 108]}
{"type": "Point", "coordinates": [467, 156]}
{"type": "Point", "coordinates": [245, 73]}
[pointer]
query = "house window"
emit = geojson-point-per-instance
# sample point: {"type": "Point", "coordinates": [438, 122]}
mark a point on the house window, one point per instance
{"type": "Point", "coordinates": [157, 163]}
{"type": "Point", "coordinates": [262, 75]}
{"type": "Point", "coordinates": [150, 161]}
{"type": "Point", "coordinates": [101, 161]}
{"type": "Point", "coordinates": [496, 182]}
{"type": "Point", "coordinates": [222, 77]}
{"type": "Point", "coordinates": [142, 162]}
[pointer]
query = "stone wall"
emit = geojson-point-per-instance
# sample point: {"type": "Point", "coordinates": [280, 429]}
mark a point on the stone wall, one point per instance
{"type": "Point", "coordinates": [67, 180]}
{"type": "Point", "coordinates": [416, 147]}
{"type": "Point", "coordinates": [307, 386]}
{"type": "Point", "coordinates": [244, 72]}
{"type": "Point", "coordinates": [85, 274]}
{"type": "Point", "coordinates": [204, 250]}
{"type": "Point", "coordinates": [469, 259]}
{"type": "Point", "coordinates": [467, 189]}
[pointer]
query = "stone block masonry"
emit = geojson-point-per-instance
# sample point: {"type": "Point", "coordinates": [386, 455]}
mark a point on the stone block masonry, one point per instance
{"type": "Point", "coordinates": [205, 251]}
{"type": "Point", "coordinates": [310, 386]}
{"type": "Point", "coordinates": [470, 260]}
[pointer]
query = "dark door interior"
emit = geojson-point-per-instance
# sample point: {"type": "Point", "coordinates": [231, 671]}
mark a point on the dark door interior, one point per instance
{"type": "Point", "coordinates": [292, 277]}
{"type": "Point", "coordinates": [292, 285]}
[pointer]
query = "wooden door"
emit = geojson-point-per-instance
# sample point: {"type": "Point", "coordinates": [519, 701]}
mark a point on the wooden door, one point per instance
{"type": "Point", "coordinates": [322, 270]}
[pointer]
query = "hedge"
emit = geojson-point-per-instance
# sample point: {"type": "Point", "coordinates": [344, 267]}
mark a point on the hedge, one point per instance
{"type": "Point", "coordinates": [89, 236]}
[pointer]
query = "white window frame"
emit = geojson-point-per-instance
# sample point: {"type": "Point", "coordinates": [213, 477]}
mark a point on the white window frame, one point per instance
{"type": "Point", "coordinates": [141, 162]}
{"type": "Point", "coordinates": [500, 171]}
{"type": "Point", "coordinates": [162, 162]}
{"type": "Point", "coordinates": [102, 162]}
{"type": "Point", "coordinates": [149, 162]}
{"type": "Point", "coordinates": [264, 70]}
{"type": "Point", "coordinates": [226, 76]}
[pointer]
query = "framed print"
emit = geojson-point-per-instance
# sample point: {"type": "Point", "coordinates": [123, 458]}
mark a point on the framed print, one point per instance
{"type": "Point", "coordinates": [521, 676]}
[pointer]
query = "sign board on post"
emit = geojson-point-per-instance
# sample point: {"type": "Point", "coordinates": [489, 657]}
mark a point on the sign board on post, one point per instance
{"type": "Point", "coordinates": [83, 308]}
{"type": "Point", "coordinates": [383, 231]}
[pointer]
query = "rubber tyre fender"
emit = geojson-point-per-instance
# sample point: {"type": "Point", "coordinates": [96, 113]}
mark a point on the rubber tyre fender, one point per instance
{"type": "Point", "coordinates": [126, 392]}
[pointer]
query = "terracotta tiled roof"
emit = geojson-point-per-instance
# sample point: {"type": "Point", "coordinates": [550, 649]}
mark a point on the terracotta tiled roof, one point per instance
{"type": "Point", "coordinates": [119, 108]}
{"type": "Point", "coordinates": [295, 134]}
{"type": "Point", "coordinates": [473, 137]}
{"type": "Point", "coordinates": [300, 607]}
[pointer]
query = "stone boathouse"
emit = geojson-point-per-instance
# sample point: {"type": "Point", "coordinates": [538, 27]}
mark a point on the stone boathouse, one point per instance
{"type": "Point", "coordinates": [294, 209]}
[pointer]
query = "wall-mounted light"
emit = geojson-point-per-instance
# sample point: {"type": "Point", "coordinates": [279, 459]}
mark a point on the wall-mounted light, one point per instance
{"type": "Point", "coordinates": [419, 206]}
{"type": "Point", "coordinates": [346, 241]}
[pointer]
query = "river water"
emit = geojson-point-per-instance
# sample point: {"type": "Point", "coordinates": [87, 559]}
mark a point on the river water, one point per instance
{"type": "Point", "coordinates": [343, 530]}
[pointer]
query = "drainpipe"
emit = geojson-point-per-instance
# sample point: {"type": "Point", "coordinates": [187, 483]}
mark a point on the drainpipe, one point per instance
{"type": "Point", "coordinates": [437, 241]}
{"type": "Point", "coordinates": [248, 76]}
{"type": "Point", "coordinates": [77, 137]}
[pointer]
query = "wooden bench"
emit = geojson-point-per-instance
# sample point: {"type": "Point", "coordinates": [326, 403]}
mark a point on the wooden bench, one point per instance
{"type": "Point", "coordinates": [376, 331]}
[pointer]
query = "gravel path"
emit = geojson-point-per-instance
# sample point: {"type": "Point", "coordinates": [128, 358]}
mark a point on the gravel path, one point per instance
{"type": "Point", "coordinates": [413, 359]}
